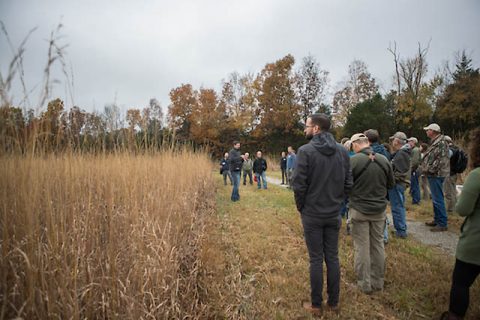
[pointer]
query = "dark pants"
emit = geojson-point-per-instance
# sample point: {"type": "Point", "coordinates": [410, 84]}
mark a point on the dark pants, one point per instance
{"type": "Point", "coordinates": [284, 176]}
{"type": "Point", "coordinates": [464, 274]}
{"type": "Point", "coordinates": [321, 237]}
{"type": "Point", "coordinates": [245, 173]}
{"type": "Point", "coordinates": [415, 187]}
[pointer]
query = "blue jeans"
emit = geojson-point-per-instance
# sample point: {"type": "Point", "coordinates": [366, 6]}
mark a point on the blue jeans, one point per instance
{"type": "Point", "coordinates": [385, 230]}
{"type": "Point", "coordinates": [415, 187]}
{"type": "Point", "coordinates": [397, 202]}
{"type": "Point", "coordinates": [439, 210]}
{"type": "Point", "coordinates": [264, 179]}
{"type": "Point", "coordinates": [321, 237]}
{"type": "Point", "coordinates": [236, 184]}
{"type": "Point", "coordinates": [344, 209]}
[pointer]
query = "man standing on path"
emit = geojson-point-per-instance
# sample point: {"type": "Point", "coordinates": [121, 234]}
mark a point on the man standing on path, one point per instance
{"type": "Point", "coordinates": [225, 169]}
{"type": "Point", "coordinates": [247, 168]}
{"type": "Point", "coordinates": [373, 176]}
{"type": "Point", "coordinates": [415, 163]}
{"type": "Point", "coordinates": [291, 163]}
{"type": "Point", "coordinates": [320, 182]}
{"type": "Point", "coordinates": [401, 171]}
{"type": "Point", "coordinates": [283, 167]}
{"type": "Point", "coordinates": [458, 164]}
{"type": "Point", "coordinates": [436, 166]}
{"type": "Point", "coordinates": [235, 162]}
{"type": "Point", "coordinates": [259, 168]}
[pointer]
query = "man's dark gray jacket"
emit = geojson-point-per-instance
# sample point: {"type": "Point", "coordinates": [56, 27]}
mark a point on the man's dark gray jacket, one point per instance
{"type": "Point", "coordinates": [322, 177]}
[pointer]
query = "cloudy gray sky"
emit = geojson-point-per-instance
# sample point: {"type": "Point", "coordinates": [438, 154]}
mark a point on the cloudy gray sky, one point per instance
{"type": "Point", "coordinates": [136, 50]}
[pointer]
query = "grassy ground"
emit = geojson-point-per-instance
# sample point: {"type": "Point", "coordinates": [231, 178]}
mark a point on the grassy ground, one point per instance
{"type": "Point", "coordinates": [256, 266]}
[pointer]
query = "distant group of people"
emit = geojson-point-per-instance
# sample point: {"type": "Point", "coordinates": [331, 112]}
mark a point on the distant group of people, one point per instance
{"type": "Point", "coordinates": [359, 177]}
{"type": "Point", "coordinates": [234, 163]}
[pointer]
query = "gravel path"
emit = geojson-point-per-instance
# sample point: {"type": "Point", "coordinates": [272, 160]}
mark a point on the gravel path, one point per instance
{"type": "Point", "coordinates": [445, 241]}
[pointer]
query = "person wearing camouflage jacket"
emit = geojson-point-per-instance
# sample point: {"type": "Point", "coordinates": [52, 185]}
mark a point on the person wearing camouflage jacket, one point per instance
{"type": "Point", "coordinates": [436, 166]}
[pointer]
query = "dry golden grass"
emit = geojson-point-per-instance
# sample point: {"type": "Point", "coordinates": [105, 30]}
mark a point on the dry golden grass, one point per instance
{"type": "Point", "coordinates": [256, 267]}
{"type": "Point", "coordinates": [109, 236]}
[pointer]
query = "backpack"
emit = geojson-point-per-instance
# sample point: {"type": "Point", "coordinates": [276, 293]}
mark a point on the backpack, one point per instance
{"type": "Point", "coordinates": [458, 161]}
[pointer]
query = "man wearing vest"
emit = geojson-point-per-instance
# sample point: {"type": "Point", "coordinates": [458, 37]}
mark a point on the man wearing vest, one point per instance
{"type": "Point", "coordinates": [436, 166]}
{"type": "Point", "coordinates": [372, 177]}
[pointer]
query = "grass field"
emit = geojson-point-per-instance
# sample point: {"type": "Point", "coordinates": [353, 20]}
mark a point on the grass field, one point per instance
{"type": "Point", "coordinates": [256, 267]}
{"type": "Point", "coordinates": [113, 236]}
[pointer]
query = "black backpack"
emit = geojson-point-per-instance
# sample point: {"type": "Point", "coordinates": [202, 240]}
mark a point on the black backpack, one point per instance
{"type": "Point", "coordinates": [458, 161]}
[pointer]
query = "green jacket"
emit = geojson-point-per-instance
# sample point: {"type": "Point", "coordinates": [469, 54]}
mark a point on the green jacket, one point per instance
{"type": "Point", "coordinates": [369, 193]}
{"type": "Point", "coordinates": [247, 165]}
{"type": "Point", "coordinates": [416, 159]}
{"type": "Point", "coordinates": [435, 161]}
{"type": "Point", "coordinates": [468, 206]}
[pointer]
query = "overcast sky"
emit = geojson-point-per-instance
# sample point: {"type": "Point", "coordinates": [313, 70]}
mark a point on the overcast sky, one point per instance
{"type": "Point", "coordinates": [136, 50]}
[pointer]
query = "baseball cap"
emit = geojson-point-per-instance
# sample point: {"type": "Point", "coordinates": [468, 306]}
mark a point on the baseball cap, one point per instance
{"type": "Point", "coordinates": [434, 127]}
{"type": "Point", "coordinates": [448, 139]}
{"type": "Point", "coordinates": [399, 135]}
{"type": "Point", "coordinates": [358, 136]}
{"type": "Point", "coordinates": [413, 139]}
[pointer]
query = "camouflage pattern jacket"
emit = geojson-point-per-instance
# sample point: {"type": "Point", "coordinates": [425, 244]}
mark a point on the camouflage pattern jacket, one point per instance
{"type": "Point", "coordinates": [435, 162]}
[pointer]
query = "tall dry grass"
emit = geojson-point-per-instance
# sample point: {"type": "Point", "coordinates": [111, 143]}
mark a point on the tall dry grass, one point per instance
{"type": "Point", "coordinates": [106, 236]}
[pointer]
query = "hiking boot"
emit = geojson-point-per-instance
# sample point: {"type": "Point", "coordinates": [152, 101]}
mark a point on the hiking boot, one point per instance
{"type": "Point", "coordinates": [431, 224]}
{"type": "Point", "coordinates": [307, 306]}
{"type": "Point", "coordinates": [438, 229]}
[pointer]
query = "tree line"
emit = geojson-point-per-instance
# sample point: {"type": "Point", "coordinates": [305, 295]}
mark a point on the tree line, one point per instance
{"type": "Point", "coordinates": [264, 111]}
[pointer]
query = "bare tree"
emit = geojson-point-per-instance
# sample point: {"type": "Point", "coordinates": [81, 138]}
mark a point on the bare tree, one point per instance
{"type": "Point", "coordinates": [311, 83]}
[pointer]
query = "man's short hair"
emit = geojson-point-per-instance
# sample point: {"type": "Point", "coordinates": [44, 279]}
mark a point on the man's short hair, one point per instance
{"type": "Point", "coordinates": [321, 120]}
{"type": "Point", "coordinates": [236, 142]}
{"type": "Point", "coordinates": [372, 135]}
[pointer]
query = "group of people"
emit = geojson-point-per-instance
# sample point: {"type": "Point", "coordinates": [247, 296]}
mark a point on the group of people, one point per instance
{"type": "Point", "coordinates": [371, 175]}
{"type": "Point", "coordinates": [362, 176]}
{"type": "Point", "coordinates": [234, 163]}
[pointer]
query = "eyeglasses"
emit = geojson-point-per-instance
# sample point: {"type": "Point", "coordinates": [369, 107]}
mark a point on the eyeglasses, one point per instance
{"type": "Point", "coordinates": [309, 126]}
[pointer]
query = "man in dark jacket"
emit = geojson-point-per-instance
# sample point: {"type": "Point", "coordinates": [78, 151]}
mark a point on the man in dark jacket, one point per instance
{"type": "Point", "coordinates": [320, 182]}
{"type": "Point", "coordinates": [373, 176]}
{"type": "Point", "coordinates": [373, 138]}
{"type": "Point", "coordinates": [283, 167]}
{"type": "Point", "coordinates": [259, 168]}
{"type": "Point", "coordinates": [235, 162]}
{"type": "Point", "coordinates": [225, 169]}
{"type": "Point", "coordinates": [401, 170]}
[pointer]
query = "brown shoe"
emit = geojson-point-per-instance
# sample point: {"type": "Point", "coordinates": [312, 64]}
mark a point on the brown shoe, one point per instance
{"type": "Point", "coordinates": [431, 224]}
{"type": "Point", "coordinates": [313, 310]}
{"type": "Point", "coordinates": [335, 309]}
{"type": "Point", "coordinates": [438, 229]}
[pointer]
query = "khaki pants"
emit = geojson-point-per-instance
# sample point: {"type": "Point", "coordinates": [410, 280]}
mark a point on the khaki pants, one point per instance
{"type": "Point", "coordinates": [450, 190]}
{"type": "Point", "coordinates": [367, 234]}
